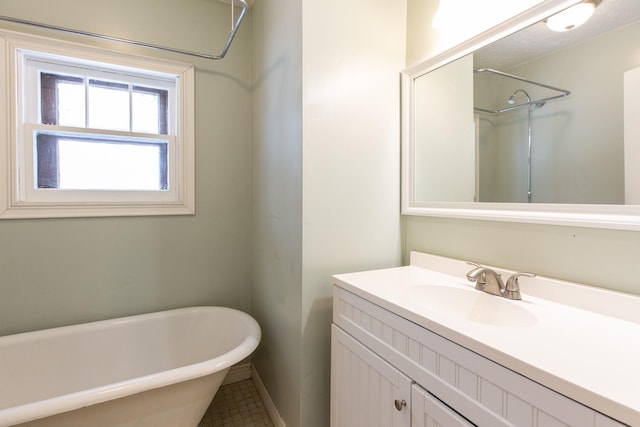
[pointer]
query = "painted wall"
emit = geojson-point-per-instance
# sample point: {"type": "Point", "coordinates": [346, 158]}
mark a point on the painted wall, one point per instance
{"type": "Point", "coordinates": [444, 149]}
{"type": "Point", "coordinates": [64, 271]}
{"type": "Point", "coordinates": [351, 174]}
{"type": "Point", "coordinates": [326, 178]}
{"type": "Point", "coordinates": [631, 137]}
{"type": "Point", "coordinates": [276, 290]}
{"type": "Point", "coordinates": [598, 257]}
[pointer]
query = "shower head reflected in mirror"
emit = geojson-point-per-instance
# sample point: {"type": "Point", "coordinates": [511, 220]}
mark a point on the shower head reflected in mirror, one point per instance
{"type": "Point", "coordinates": [512, 99]}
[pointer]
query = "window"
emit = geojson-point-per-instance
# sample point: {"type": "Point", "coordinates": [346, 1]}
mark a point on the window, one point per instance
{"type": "Point", "coordinates": [74, 162]}
{"type": "Point", "coordinates": [97, 133]}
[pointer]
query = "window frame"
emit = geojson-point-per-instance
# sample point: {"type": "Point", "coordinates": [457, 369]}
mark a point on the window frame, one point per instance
{"type": "Point", "coordinates": [18, 196]}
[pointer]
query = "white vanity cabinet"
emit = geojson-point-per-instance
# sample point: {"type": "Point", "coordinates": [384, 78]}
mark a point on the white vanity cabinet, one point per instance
{"type": "Point", "coordinates": [365, 388]}
{"type": "Point", "coordinates": [369, 392]}
{"type": "Point", "coordinates": [379, 357]}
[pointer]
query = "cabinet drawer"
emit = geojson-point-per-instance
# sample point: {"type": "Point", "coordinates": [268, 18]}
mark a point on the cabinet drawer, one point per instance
{"type": "Point", "coordinates": [482, 391]}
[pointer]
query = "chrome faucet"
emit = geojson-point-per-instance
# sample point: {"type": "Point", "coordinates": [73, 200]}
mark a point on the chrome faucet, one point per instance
{"type": "Point", "coordinates": [490, 281]}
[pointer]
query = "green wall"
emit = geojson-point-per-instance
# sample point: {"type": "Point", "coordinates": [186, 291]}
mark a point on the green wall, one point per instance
{"type": "Point", "coordinates": [597, 257]}
{"type": "Point", "coordinates": [325, 178]}
{"type": "Point", "coordinates": [64, 271]}
{"type": "Point", "coordinates": [276, 289]}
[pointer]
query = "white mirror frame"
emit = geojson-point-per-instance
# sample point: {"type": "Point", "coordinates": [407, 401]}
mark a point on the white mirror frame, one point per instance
{"type": "Point", "coordinates": [625, 217]}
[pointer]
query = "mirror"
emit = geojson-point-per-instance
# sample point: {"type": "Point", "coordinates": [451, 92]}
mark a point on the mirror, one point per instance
{"type": "Point", "coordinates": [537, 126]}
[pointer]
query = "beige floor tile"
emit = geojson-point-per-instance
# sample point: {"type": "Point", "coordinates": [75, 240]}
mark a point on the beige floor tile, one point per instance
{"type": "Point", "coordinates": [237, 405]}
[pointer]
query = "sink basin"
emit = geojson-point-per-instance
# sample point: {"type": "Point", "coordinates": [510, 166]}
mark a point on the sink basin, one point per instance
{"type": "Point", "coordinates": [467, 303]}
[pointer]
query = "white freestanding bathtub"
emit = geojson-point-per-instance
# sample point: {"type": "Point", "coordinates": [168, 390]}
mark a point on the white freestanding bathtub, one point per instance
{"type": "Point", "coordinates": [157, 369]}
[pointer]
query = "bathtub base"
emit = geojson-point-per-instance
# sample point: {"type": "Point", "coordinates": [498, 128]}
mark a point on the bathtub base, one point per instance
{"type": "Point", "coordinates": [178, 405]}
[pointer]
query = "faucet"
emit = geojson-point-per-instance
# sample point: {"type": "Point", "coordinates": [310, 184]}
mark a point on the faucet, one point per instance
{"type": "Point", "coordinates": [490, 281]}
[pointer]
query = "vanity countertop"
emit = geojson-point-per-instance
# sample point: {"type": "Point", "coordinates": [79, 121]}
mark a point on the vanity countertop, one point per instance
{"type": "Point", "coordinates": [580, 341]}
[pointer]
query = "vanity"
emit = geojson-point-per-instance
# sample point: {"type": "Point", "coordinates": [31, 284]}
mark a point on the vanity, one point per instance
{"type": "Point", "coordinates": [505, 126]}
{"type": "Point", "coordinates": [420, 346]}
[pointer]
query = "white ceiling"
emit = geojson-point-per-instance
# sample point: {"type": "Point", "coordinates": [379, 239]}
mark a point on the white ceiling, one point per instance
{"type": "Point", "coordinates": [538, 40]}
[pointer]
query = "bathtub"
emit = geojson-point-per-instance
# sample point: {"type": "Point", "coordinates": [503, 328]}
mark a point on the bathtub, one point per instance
{"type": "Point", "coordinates": [157, 369]}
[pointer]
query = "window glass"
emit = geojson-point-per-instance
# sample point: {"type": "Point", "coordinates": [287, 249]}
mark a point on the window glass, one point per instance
{"type": "Point", "coordinates": [108, 105]}
{"type": "Point", "coordinates": [146, 112]}
{"type": "Point", "coordinates": [71, 104]}
{"type": "Point", "coordinates": [76, 162]}
{"type": "Point", "coordinates": [114, 163]}
{"type": "Point", "coordinates": [108, 166]}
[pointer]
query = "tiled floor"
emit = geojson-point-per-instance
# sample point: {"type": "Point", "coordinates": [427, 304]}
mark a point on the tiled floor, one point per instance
{"type": "Point", "coordinates": [237, 405]}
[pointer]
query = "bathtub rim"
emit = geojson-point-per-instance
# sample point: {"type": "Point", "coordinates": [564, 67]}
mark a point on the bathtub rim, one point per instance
{"type": "Point", "coordinates": [95, 395]}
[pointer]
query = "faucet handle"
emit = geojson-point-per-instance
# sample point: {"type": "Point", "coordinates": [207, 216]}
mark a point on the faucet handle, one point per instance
{"type": "Point", "coordinates": [512, 283]}
{"type": "Point", "coordinates": [512, 288]}
{"type": "Point", "coordinates": [475, 264]}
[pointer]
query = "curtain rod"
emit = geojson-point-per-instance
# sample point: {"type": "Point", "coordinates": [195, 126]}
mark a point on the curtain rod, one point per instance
{"type": "Point", "coordinates": [234, 29]}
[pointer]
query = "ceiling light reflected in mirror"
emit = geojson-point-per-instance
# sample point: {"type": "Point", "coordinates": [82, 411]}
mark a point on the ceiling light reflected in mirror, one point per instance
{"type": "Point", "coordinates": [573, 17]}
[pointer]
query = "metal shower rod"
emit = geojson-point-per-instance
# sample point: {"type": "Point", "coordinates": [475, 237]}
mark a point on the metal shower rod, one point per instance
{"type": "Point", "coordinates": [234, 29]}
{"type": "Point", "coordinates": [538, 102]}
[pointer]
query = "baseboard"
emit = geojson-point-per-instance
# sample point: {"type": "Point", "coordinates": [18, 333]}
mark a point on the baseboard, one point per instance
{"type": "Point", "coordinates": [238, 373]}
{"type": "Point", "coordinates": [266, 399]}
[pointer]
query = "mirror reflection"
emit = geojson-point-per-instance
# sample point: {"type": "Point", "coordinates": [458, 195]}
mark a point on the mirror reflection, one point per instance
{"type": "Point", "coordinates": [538, 117]}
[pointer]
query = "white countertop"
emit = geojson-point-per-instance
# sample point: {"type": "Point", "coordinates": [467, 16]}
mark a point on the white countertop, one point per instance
{"type": "Point", "coordinates": [580, 341]}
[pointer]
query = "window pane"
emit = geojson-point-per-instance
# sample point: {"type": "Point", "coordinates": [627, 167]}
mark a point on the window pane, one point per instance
{"type": "Point", "coordinates": [62, 100]}
{"type": "Point", "coordinates": [108, 105]}
{"type": "Point", "coordinates": [145, 112]}
{"type": "Point", "coordinates": [104, 165]}
{"type": "Point", "coordinates": [71, 104]}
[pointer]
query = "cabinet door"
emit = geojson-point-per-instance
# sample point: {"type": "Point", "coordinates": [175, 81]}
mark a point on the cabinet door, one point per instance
{"type": "Point", "coordinates": [365, 389]}
{"type": "Point", "coordinates": [427, 411]}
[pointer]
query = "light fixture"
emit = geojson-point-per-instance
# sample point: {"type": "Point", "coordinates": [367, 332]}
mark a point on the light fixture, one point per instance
{"type": "Point", "coordinates": [573, 17]}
